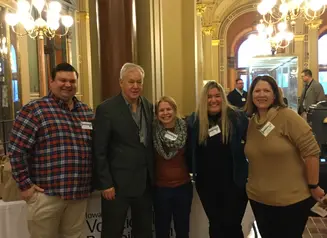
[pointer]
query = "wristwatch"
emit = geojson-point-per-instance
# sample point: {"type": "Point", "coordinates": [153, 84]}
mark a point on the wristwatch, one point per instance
{"type": "Point", "coordinates": [313, 186]}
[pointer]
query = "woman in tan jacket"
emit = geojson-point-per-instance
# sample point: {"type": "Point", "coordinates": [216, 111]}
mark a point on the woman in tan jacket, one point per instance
{"type": "Point", "coordinates": [283, 163]}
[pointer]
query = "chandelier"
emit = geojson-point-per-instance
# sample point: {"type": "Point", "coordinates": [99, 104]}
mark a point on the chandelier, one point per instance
{"type": "Point", "coordinates": [39, 26]}
{"type": "Point", "coordinates": [276, 36]}
{"type": "Point", "coordinates": [275, 11]}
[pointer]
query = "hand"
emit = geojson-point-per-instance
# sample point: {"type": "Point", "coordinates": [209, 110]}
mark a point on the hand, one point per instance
{"type": "Point", "coordinates": [27, 194]}
{"type": "Point", "coordinates": [109, 193]}
{"type": "Point", "coordinates": [317, 193]}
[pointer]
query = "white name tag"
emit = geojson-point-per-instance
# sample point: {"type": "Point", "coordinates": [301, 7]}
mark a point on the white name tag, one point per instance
{"type": "Point", "coordinates": [243, 99]}
{"type": "Point", "coordinates": [214, 131]}
{"type": "Point", "coordinates": [266, 129]}
{"type": "Point", "coordinates": [86, 125]}
{"type": "Point", "coordinates": [171, 136]}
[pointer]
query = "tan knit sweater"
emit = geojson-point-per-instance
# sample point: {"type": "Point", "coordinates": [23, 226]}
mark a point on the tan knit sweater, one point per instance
{"type": "Point", "coordinates": [276, 165]}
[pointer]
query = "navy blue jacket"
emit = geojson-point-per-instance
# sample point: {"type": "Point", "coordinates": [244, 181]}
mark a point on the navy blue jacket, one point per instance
{"type": "Point", "coordinates": [238, 137]}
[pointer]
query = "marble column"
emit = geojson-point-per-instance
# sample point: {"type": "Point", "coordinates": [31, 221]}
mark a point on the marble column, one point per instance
{"type": "Point", "coordinates": [215, 54]}
{"type": "Point", "coordinates": [299, 49]}
{"type": "Point", "coordinates": [207, 51]}
{"type": "Point", "coordinates": [41, 67]}
{"type": "Point", "coordinates": [149, 46]}
{"type": "Point", "coordinates": [199, 64]}
{"type": "Point", "coordinates": [298, 43]}
{"type": "Point", "coordinates": [85, 63]}
{"type": "Point", "coordinates": [313, 36]}
{"type": "Point", "coordinates": [115, 30]}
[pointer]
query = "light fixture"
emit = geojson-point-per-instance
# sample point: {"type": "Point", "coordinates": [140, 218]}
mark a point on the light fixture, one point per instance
{"type": "Point", "coordinates": [275, 11]}
{"type": "Point", "coordinates": [277, 36]}
{"type": "Point", "coordinates": [3, 43]}
{"type": "Point", "coordinates": [39, 26]}
{"type": "Point", "coordinates": [262, 46]}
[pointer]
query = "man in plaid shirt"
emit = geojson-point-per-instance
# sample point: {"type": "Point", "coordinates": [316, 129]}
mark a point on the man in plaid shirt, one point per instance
{"type": "Point", "coordinates": [50, 154]}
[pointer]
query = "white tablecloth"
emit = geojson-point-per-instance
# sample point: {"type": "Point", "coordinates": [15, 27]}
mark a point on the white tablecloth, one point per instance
{"type": "Point", "coordinates": [13, 220]}
{"type": "Point", "coordinates": [198, 223]}
{"type": "Point", "coordinates": [13, 223]}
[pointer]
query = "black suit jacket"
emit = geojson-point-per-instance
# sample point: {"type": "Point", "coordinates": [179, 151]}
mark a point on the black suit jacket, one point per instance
{"type": "Point", "coordinates": [120, 159]}
{"type": "Point", "coordinates": [235, 98]}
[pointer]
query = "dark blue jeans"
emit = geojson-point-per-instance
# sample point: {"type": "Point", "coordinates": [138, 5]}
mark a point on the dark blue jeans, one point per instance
{"type": "Point", "coordinates": [282, 221]}
{"type": "Point", "coordinates": [173, 203]}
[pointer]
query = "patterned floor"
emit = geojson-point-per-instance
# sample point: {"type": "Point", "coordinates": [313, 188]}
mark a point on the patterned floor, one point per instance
{"type": "Point", "coordinates": [316, 228]}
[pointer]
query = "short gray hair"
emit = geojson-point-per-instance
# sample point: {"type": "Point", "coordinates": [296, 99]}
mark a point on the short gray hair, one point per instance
{"type": "Point", "coordinates": [130, 66]}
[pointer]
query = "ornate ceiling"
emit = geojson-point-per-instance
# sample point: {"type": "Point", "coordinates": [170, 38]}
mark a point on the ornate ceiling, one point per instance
{"type": "Point", "coordinates": [217, 11]}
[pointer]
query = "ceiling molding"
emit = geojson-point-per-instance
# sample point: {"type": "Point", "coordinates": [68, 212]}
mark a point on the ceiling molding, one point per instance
{"type": "Point", "coordinates": [232, 16]}
{"type": "Point", "coordinates": [69, 3]}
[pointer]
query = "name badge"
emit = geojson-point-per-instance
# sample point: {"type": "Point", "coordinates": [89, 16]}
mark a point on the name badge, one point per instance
{"type": "Point", "coordinates": [171, 136]}
{"type": "Point", "coordinates": [243, 99]}
{"type": "Point", "coordinates": [266, 129]}
{"type": "Point", "coordinates": [214, 131]}
{"type": "Point", "coordinates": [86, 125]}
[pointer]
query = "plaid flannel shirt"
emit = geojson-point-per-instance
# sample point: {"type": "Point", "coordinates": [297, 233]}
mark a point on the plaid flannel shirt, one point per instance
{"type": "Point", "coordinates": [48, 147]}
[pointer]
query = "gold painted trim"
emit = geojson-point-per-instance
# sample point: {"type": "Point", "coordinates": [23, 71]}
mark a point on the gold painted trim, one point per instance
{"type": "Point", "coordinates": [298, 38]}
{"type": "Point", "coordinates": [82, 14]}
{"type": "Point", "coordinates": [215, 42]}
{"type": "Point", "coordinates": [34, 96]}
{"type": "Point", "coordinates": [208, 30]}
{"type": "Point", "coordinates": [200, 9]}
{"type": "Point", "coordinates": [314, 25]}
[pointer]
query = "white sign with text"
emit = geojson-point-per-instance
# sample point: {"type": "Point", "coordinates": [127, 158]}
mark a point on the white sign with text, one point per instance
{"type": "Point", "coordinates": [198, 221]}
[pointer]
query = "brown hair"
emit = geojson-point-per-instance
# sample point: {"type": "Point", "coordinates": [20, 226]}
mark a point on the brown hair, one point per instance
{"type": "Point", "coordinates": [307, 72]}
{"type": "Point", "coordinates": [278, 101]}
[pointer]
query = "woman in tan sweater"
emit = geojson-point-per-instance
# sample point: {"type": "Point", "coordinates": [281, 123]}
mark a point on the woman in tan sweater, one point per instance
{"type": "Point", "coordinates": [283, 163]}
{"type": "Point", "coordinates": [174, 190]}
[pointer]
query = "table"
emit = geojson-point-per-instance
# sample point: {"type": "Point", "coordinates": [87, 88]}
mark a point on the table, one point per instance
{"type": "Point", "coordinates": [198, 220]}
{"type": "Point", "coordinates": [13, 222]}
{"type": "Point", "coordinates": [13, 219]}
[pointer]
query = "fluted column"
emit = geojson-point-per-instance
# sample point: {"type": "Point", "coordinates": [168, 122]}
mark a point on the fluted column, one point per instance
{"type": "Point", "coordinates": [298, 43]}
{"type": "Point", "coordinates": [199, 66]}
{"type": "Point", "coordinates": [115, 30]}
{"type": "Point", "coordinates": [215, 54]}
{"type": "Point", "coordinates": [313, 36]}
{"type": "Point", "coordinates": [85, 52]}
{"type": "Point", "coordinates": [207, 51]}
{"type": "Point", "coordinates": [299, 49]}
{"type": "Point", "coordinates": [41, 65]}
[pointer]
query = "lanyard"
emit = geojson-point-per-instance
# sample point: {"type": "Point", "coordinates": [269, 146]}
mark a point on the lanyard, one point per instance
{"type": "Point", "coordinates": [141, 135]}
{"type": "Point", "coordinates": [306, 89]}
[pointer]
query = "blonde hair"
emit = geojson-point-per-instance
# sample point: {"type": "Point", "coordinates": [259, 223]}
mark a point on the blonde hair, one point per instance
{"type": "Point", "coordinates": [170, 101]}
{"type": "Point", "coordinates": [202, 112]}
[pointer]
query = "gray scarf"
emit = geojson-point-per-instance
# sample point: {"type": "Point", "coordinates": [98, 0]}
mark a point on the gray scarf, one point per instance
{"type": "Point", "coordinates": [165, 147]}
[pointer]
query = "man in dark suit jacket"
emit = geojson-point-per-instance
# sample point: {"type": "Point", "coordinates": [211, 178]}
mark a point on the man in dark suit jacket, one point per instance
{"type": "Point", "coordinates": [238, 96]}
{"type": "Point", "coordinates": [123, 154]}
{"type": "Point", "coordinates": [312, 93]}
